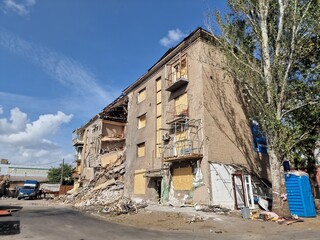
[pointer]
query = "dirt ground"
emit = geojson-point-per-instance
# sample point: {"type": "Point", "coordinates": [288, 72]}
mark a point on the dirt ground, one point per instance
{"type": "Point", "coordinates": [164, 218]}
{"type": "Point", "coordinates": [187, 219]}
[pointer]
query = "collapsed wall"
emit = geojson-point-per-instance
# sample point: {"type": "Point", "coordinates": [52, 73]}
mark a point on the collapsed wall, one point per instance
{"type": "Point", "coordinates": [104, 189]}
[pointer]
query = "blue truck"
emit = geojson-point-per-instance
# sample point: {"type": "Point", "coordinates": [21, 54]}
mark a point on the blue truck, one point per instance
{"type": "Point", "coordinates": [30, 190]}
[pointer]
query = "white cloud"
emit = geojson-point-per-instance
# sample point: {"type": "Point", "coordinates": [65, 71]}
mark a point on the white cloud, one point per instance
{"type": "Point", "coordinates": [66, 70]}
{"type": "Point", "coordinates": [173, 37]}
{"type": "Point", "coordinates": [16, 123]}
{"type": "Point", "coordinates": [18, 130]}
{"type": "Point", "coordinates": [21, 7]}
{"type": "Point", "coordinates": [25, 141]}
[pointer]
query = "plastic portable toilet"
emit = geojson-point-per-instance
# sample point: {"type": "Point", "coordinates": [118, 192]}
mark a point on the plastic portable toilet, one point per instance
{"type": "Point", "coordinates": [299, 194]}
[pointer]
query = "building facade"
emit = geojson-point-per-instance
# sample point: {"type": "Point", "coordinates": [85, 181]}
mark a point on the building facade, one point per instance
{"type": "Point", "coordinates": [17, 174]}
{"type": "Point", "coordinates": [188, 139]}
{"type": "Point", "coordinates": [101, 142]}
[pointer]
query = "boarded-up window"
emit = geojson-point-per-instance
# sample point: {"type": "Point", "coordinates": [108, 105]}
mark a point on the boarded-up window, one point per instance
{"type": "Point", "coordinates": [141, 95]}
{"type": "Point", "coordinates": [159, 110]}
{"type": "Point", "coordinates": [142, 121]}
{"type": "Point", "coordinates": [181, 104]}
{"type": "Point", "coordinates": [182, 178]}
{"type": "Point", "coordinates": [159, 97]}
{"type": "Point", "coordinates": [158, 84]}
{"type": "Point", "coordinates": [159, 137]}
{"type": "Point", "coordinates": [141, 150]}
{"type": "Point", "coordinates": [158, 123]}
{"type": "Point", "coordinates": [139, 182]}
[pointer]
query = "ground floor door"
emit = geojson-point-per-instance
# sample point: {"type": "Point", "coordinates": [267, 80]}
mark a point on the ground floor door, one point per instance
{"type": "Point", "coordinates": [221, 185]}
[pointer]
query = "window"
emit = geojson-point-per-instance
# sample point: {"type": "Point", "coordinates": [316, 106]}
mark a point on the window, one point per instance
{"type": "Point", "coordinates": [139, 186]}
{"type": "Point", "coordinates": [182, 178]}
{"type": "Point", "coordinates": [181, 104]}
{"type": "Point", "coordinates": [179, 69]}
{"type": "Point", "coordinates": [142, 121]}
{"type": "Point", "coordinates": [141, 150]}
{"type": "Point", "coordinates": [141, 95]}
{"type": "Point", "coordinates": [158, 117]}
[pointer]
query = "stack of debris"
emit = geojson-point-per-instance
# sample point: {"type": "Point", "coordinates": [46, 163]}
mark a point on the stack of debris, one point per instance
{"type": "Point", "coordinates": [212, 208]}
{"type": "Point", "coordinates": [106, 188]}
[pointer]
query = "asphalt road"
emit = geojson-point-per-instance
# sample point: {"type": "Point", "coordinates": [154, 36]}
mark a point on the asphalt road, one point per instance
{"type": "Point", "coordinates": [59, 222]}
{"type": "Point", "coordinates": [44, 220]}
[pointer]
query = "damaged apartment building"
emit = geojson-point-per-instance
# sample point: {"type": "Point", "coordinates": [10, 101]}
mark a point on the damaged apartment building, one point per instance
{"type": "Point", "coordinates": [188, 139]}
{"type": "Point", "coordinates": [100, 143]}
{"type": "Point", "coordinates": [181, 133]}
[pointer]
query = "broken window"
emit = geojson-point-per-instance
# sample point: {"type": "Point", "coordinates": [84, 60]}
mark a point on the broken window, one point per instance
{"type": "Point", "coordinates": [179, 69]}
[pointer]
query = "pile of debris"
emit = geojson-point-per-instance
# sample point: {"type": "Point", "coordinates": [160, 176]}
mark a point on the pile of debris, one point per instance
{"type": "Point", "coordinates": [106, 188]}
{"type": "Point", "coordinates": [212, 208]}
{"type": "Point", "coordinates": [124, 206]}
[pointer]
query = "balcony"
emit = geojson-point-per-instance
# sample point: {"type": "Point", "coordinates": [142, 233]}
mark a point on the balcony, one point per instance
{"type": "Point", "coordinates": [77, 141]}
{"type": "Point", "coordinates": [180, 150]}
{"type": "Point", "coordinates": [180, 113]}
{"type": "Point", "coordinates": [177, 84]}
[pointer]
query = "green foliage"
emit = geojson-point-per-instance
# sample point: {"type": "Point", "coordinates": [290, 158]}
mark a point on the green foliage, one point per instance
{"type": "Point", "coordinates": [277, 68]}
{"type": "Point", "coordinates": [54, 174]}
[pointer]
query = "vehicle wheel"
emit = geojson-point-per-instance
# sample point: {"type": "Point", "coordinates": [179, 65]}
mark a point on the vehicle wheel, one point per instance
{"type": "Point", "coordinates": [19, 198]}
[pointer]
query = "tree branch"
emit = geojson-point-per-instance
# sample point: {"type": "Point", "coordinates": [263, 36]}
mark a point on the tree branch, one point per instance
{"type": "Point", "coordinates": [298, 107]}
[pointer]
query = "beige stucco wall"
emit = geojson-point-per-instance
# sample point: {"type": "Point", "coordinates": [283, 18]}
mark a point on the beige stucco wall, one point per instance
{"type": "Point", "coordinates": [90, 150]}
{"type": "Point", "coordinates": [212, 97]}
{"type": "Point", "coordinates": [228, 137]}
{"type": "Point", "coordinates": [147, 135]}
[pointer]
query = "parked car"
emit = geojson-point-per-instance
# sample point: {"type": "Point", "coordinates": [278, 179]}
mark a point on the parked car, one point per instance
{"type": "Point", "coordinates": [30, 190]}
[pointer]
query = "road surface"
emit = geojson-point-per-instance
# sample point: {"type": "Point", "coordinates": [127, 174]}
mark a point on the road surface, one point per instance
{"type": "Point", "coordinates": [54, 222]}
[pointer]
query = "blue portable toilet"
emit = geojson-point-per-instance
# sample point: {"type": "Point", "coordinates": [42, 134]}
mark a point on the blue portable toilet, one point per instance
{"type": "Point", "coordinates": [299, 194]}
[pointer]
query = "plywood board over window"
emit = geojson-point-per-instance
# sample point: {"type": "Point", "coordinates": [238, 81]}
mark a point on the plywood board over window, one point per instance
{"type": "Point", "coordinates": [182, 178]}
{"type": "Point", "coordinates": [142, 121]}
{"type": "Point", "coordinates": [139, 182]}
{"type": "Point", "coordinates": [141, 150]}
{"type": "Point", "coordinates": [158, 84]}
{"type": "Point", "coordinates": [181, 104]}
{"type": "Point", "coordinates": [141, 95]}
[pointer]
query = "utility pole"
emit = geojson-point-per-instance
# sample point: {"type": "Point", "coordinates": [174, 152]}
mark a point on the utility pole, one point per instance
{"type": "Point", "coordinates": [61, 179]}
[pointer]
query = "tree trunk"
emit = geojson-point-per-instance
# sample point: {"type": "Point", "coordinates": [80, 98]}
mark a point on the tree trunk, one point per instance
{"type": "Point", "coordinates": [279, 206]}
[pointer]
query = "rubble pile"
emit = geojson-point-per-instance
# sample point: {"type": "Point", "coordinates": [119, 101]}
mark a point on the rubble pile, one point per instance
{"type": "Point", "coordinates": [123, 206]}
{"type": "Point", "coordinates": [213, 208]}
{"type": "Point", "coordinates": [106, 188]}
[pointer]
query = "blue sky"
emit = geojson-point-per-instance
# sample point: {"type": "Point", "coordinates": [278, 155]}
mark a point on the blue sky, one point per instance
{"type": "Point", "coordinates": [63, 61]}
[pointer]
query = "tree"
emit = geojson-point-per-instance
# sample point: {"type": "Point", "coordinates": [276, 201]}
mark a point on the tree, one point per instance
{"type": "Point", "coordinates": [271, 49]}
{"type": "Point", "coordinates": [54, 174]}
